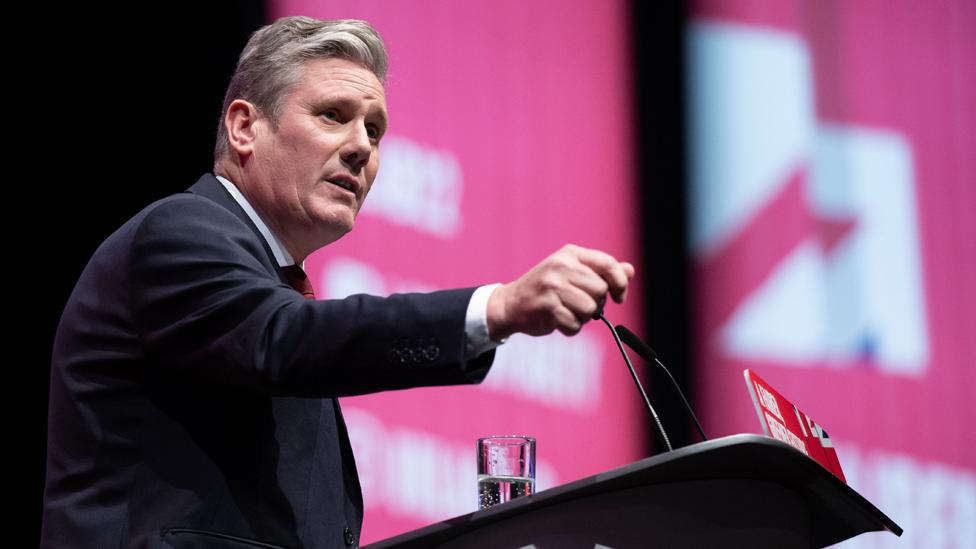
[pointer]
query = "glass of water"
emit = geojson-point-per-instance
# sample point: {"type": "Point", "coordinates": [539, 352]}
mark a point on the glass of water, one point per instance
{"type": "Point", "coordinates": [506, 469]}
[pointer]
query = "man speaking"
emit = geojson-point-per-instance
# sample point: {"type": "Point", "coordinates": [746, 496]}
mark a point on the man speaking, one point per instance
{"type": "Point", "coordinates": [194, 374]}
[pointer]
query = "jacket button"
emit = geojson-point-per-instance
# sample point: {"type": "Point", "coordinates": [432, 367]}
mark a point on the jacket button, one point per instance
{"type": "Point", "coordinates": [348, 537]}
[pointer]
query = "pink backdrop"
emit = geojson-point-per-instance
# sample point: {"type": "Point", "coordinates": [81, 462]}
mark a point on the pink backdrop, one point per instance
{"type": "Point", "coordinates": [509, 137]}
{"type": "Point", "coordinates": [834, 241]}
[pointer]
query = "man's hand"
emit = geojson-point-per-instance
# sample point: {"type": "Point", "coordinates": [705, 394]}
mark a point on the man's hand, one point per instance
{"type": "Point", "coordinates": [560, 293]}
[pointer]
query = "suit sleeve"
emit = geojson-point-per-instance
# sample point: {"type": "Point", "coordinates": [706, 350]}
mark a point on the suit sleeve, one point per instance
{"type": "Point", "coordinates": [207, 307]}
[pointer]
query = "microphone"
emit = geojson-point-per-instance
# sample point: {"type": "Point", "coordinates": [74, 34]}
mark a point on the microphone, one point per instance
{"type": "Point", "coordinates": [648, 354]}
{"type": "Point", "coordinates": [599, 315]}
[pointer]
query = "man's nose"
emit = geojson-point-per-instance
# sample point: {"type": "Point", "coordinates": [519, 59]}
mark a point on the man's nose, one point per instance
{"type": "Point", "coordinates": [358, 147]}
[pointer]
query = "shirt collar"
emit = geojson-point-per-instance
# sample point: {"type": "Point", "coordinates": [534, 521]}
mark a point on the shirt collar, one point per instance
{"type": "Point", "coordinates": [277, 248]}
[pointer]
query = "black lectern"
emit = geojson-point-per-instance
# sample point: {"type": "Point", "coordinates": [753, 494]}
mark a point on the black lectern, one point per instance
{"type": "Point", "coordinates": [737, 491]}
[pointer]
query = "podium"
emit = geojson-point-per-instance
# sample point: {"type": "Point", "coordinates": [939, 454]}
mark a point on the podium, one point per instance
{"type": "Point", "coordinates": [737, 491]}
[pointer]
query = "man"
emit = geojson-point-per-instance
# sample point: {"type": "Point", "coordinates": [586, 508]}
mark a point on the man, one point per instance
{"type": "Point", "coordinates": [193, 388]}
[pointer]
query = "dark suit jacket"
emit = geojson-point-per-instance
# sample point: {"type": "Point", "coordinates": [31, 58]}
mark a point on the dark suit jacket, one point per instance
{"type": "Point", "coordinates": [193, 390]}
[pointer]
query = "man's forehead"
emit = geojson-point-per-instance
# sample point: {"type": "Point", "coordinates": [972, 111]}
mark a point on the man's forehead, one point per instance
{"type": "Point", "coordinates": [335, 76]}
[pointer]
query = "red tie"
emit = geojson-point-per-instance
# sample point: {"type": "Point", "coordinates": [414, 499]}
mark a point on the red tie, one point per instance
{"type": "Point", "coordinates": [299, 280]}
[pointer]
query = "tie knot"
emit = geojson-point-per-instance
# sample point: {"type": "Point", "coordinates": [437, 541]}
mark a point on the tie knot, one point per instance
{"type": "Point", "coordinates": [299, 280]}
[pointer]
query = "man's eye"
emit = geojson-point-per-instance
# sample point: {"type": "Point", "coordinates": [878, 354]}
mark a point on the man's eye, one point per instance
{"type": "Point", "coordinates": [331, 114]}
{"type": "Point", "coordinates": [373, 132]}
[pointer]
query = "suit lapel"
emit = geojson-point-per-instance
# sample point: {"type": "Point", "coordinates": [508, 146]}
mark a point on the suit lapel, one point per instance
{"type": "Point", "coordinates": [210, 187]}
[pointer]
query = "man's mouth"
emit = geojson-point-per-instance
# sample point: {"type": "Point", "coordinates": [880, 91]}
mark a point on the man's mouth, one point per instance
{"type": "Point", "coordinates": [344, 183]}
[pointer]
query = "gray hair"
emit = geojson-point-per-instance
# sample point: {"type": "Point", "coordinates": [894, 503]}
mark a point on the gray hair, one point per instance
{"type": "Point", "coordinates": [272, 62]}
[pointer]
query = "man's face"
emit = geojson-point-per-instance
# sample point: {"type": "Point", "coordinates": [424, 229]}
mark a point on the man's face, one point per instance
{"type": "Point", "coordinates": [314, 171]}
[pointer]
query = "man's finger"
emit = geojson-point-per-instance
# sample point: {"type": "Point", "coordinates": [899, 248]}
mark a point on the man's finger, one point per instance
{"type": "Point", "coordinates": [608, 268]}
{"type": "Point", "coordinates": [582, 304]}
{"type": "Point", "coordinates": [589, 281]}
{"type": "Point", "coordinates": [566, 321]}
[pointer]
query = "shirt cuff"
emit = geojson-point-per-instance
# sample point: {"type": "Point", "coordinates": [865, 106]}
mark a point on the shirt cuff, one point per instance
{"type": "Point", "coordinates": [476, 323]}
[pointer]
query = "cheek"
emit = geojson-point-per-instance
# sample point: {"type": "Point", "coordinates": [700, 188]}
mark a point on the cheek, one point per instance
{"type": "Point", "coordinates": [372, 170]}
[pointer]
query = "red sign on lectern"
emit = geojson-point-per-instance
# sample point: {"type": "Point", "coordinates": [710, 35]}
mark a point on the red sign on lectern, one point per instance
{"type": "Point", "coordinates": [783, 421]}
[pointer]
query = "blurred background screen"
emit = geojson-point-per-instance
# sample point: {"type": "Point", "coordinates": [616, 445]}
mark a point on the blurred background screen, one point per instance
{"type": "Point", "coordinates": [509, 136]}
{"type": "Point", "coordinates": [831, 180]}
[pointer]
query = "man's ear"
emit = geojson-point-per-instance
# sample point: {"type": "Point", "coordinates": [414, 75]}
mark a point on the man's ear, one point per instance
{"type": "Point", "coordinates": [240, 122]}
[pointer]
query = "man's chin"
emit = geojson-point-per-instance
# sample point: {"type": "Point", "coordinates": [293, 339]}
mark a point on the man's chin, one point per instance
{"type": "Point", "coordinates": [332, 230]}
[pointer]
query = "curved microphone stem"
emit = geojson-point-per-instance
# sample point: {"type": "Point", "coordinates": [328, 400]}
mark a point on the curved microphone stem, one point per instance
{"type": "Point", "coordinates": [648, 354]}
{"type": "Point", "coordinates": [620, 345]}
{"type": "Point", "coordinates": [683, 399]}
